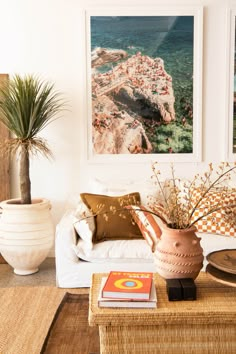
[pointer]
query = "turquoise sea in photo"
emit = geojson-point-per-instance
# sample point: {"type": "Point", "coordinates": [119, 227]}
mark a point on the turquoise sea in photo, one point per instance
{"type": "Point", "coordinates": [168, 37]}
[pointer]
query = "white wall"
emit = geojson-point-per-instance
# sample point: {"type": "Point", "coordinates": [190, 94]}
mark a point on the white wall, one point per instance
{"type": "Point", "coordinates": [47, 37]}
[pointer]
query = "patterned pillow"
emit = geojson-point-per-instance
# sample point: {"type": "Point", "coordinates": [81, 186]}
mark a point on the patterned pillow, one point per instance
{"type": "Point", "coordinates": [147, 223]}
{"type": "Point", "coordinates": [217, 222]}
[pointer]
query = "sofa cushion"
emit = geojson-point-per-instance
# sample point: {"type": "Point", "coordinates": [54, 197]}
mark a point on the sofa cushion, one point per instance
{"type": "Point", "coordinates": [112, 220]}
{"type": "Point", "coordinates": [115, 251]}
{"type": "Point", "coordinates": [147, 223]}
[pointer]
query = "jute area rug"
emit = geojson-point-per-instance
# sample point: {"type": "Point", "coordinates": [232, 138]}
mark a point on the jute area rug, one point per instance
{"type": "Point", "coordinates": [36, 320]}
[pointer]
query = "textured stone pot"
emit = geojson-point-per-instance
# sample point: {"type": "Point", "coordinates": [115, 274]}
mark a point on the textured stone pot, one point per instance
{"type": "Point", "coordinates": [178, 253]}
{"type": "Point", "coordinates": [26, 234]}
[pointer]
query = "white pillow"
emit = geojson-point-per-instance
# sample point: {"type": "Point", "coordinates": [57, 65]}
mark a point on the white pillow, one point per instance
{"type": "Point", "coordinates": [84, 224]}
{"type": "Point", "coordinates": [113, 188]}
{"type": "Point", "coordinates": [115, 250]}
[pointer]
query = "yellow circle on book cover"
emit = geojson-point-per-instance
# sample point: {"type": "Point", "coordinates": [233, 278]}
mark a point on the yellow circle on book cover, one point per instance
{"type": "Point", "coordinates": [128, 283]}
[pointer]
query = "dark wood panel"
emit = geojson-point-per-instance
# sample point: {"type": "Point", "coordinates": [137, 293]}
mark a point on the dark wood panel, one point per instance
{"type": "Point", "coordinates": [4, 161]}
{"type": "Point", "coordinates": [4, 165]}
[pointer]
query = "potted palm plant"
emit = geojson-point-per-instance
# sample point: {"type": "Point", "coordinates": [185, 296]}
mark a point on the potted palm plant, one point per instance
{"type": "Point", "coordinates": [27, 105]}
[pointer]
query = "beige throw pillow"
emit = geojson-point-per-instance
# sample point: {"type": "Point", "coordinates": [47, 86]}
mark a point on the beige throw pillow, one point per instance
{"type": "Point", "coordinates": [84, 224]}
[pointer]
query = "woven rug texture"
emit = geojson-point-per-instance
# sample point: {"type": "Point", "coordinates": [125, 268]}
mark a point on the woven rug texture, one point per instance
{"type": "Point", "coordinates": [70, 332]}
{"type": "Point", "coordinates": [26, 314]}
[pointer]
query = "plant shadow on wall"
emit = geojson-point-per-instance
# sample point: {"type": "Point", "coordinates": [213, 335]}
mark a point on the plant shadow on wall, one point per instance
{"type": "Point", "coordinates": [27, 106]}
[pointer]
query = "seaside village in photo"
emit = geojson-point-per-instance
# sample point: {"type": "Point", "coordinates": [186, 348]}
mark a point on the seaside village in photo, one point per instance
{"type": "Point", "coordinates": [133, 82]}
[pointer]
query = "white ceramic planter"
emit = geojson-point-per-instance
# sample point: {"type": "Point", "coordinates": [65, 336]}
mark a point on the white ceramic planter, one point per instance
{"type": "Point", "coordinates": [26, 234]}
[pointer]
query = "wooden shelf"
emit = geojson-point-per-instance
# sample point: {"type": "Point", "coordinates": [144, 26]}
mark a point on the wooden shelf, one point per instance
{"type": "Point", "coordinates": [5, 165]}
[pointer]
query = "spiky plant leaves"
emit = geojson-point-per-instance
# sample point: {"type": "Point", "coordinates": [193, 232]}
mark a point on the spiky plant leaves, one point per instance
{"type": "Point", "coordinates": [27, 105]}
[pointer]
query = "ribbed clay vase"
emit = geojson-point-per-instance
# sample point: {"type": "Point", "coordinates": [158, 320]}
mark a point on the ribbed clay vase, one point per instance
{"type": "Point", "coordinates": [26, 234]}
{"type": "Point", "coordinates": [178, 254]}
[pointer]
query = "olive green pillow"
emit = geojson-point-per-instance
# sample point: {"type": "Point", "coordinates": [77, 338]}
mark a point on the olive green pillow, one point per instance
{"type": "Point", "coordinates": [112, 220]}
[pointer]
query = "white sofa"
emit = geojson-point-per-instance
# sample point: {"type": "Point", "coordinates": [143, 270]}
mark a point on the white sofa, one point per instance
{"type": "Point", "coordinates": [72, 272]}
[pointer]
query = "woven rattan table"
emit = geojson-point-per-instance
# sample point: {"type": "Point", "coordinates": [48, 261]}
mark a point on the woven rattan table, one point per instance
{"type": "Point", "coordinates": [207, 325]}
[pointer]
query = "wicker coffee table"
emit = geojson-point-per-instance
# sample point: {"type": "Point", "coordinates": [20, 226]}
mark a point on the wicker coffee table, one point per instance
{"type": "Point", "coordinates": [207, 325]}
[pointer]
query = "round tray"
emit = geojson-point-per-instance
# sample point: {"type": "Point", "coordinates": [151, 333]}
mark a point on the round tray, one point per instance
{"type": "Point", "coordinates": [224, 260]}
{"type": "Point", "coordinates": [220, 276]}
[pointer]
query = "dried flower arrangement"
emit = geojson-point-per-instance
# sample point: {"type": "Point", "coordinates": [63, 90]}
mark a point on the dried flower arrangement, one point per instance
{"type": "Point", "coordinates": [177, 202]}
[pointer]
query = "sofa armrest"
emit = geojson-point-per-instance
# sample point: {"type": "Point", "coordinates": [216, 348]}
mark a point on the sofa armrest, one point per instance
{"type": "Point", "coordinates": [66, 237]}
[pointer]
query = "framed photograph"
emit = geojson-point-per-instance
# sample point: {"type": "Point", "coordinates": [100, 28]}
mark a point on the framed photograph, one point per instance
{"type": "Point", "coordinates": [144, 75]}
{"type": "Point", "coordinates": [231, 102]}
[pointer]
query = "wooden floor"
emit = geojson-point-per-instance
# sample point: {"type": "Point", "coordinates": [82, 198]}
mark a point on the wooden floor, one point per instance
{"type": "Point", "coordinates": [2, 260]}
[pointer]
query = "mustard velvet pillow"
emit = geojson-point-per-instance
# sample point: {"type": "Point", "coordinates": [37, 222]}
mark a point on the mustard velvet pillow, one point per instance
{"type": "Point", "coordinates": [112, 220]}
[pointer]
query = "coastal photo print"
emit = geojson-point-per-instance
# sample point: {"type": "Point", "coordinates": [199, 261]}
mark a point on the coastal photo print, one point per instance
{"type": "Point", "coordinates": [233, 49]}
{"type": "Point", "coordinates": [145, 78]}
{"type": "Point", "coordinates": [231, 77]}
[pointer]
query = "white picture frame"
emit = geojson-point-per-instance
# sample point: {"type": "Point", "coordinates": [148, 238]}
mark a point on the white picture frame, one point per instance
{"type": "Point", "coordinates": [231, 80]}
{"type": "Point", "coordinates": [195, 13]}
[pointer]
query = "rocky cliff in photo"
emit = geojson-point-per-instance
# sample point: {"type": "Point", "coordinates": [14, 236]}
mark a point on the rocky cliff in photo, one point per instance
{"type": "Point", "coordinates": [135, 92]}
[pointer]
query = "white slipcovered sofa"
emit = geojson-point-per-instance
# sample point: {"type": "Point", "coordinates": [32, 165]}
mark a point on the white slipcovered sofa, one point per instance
{"type": "Point", "coordinates": [77, 259]}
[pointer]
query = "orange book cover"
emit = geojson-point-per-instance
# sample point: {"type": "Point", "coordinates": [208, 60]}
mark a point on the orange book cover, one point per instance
{"type": "Point", "coordinates": [128, 285]}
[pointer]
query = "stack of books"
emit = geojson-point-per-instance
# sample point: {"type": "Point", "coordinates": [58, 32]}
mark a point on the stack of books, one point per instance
{"type": "Point", "coordinates": [128, 289]}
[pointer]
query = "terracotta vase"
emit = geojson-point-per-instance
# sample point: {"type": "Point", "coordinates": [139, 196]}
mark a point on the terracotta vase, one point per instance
{"type": "Point", "coordinates": [178, 254]}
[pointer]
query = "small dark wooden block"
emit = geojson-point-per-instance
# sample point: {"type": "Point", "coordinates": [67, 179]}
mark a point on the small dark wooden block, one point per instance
{"type": "Point", "coordinates": [189, 289]}
{"type": "Point", "coordinates": [174, 289]}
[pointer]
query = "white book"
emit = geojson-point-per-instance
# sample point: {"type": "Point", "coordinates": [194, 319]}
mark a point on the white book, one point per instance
{"type": "Point", "coordinates": [107, 302]}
